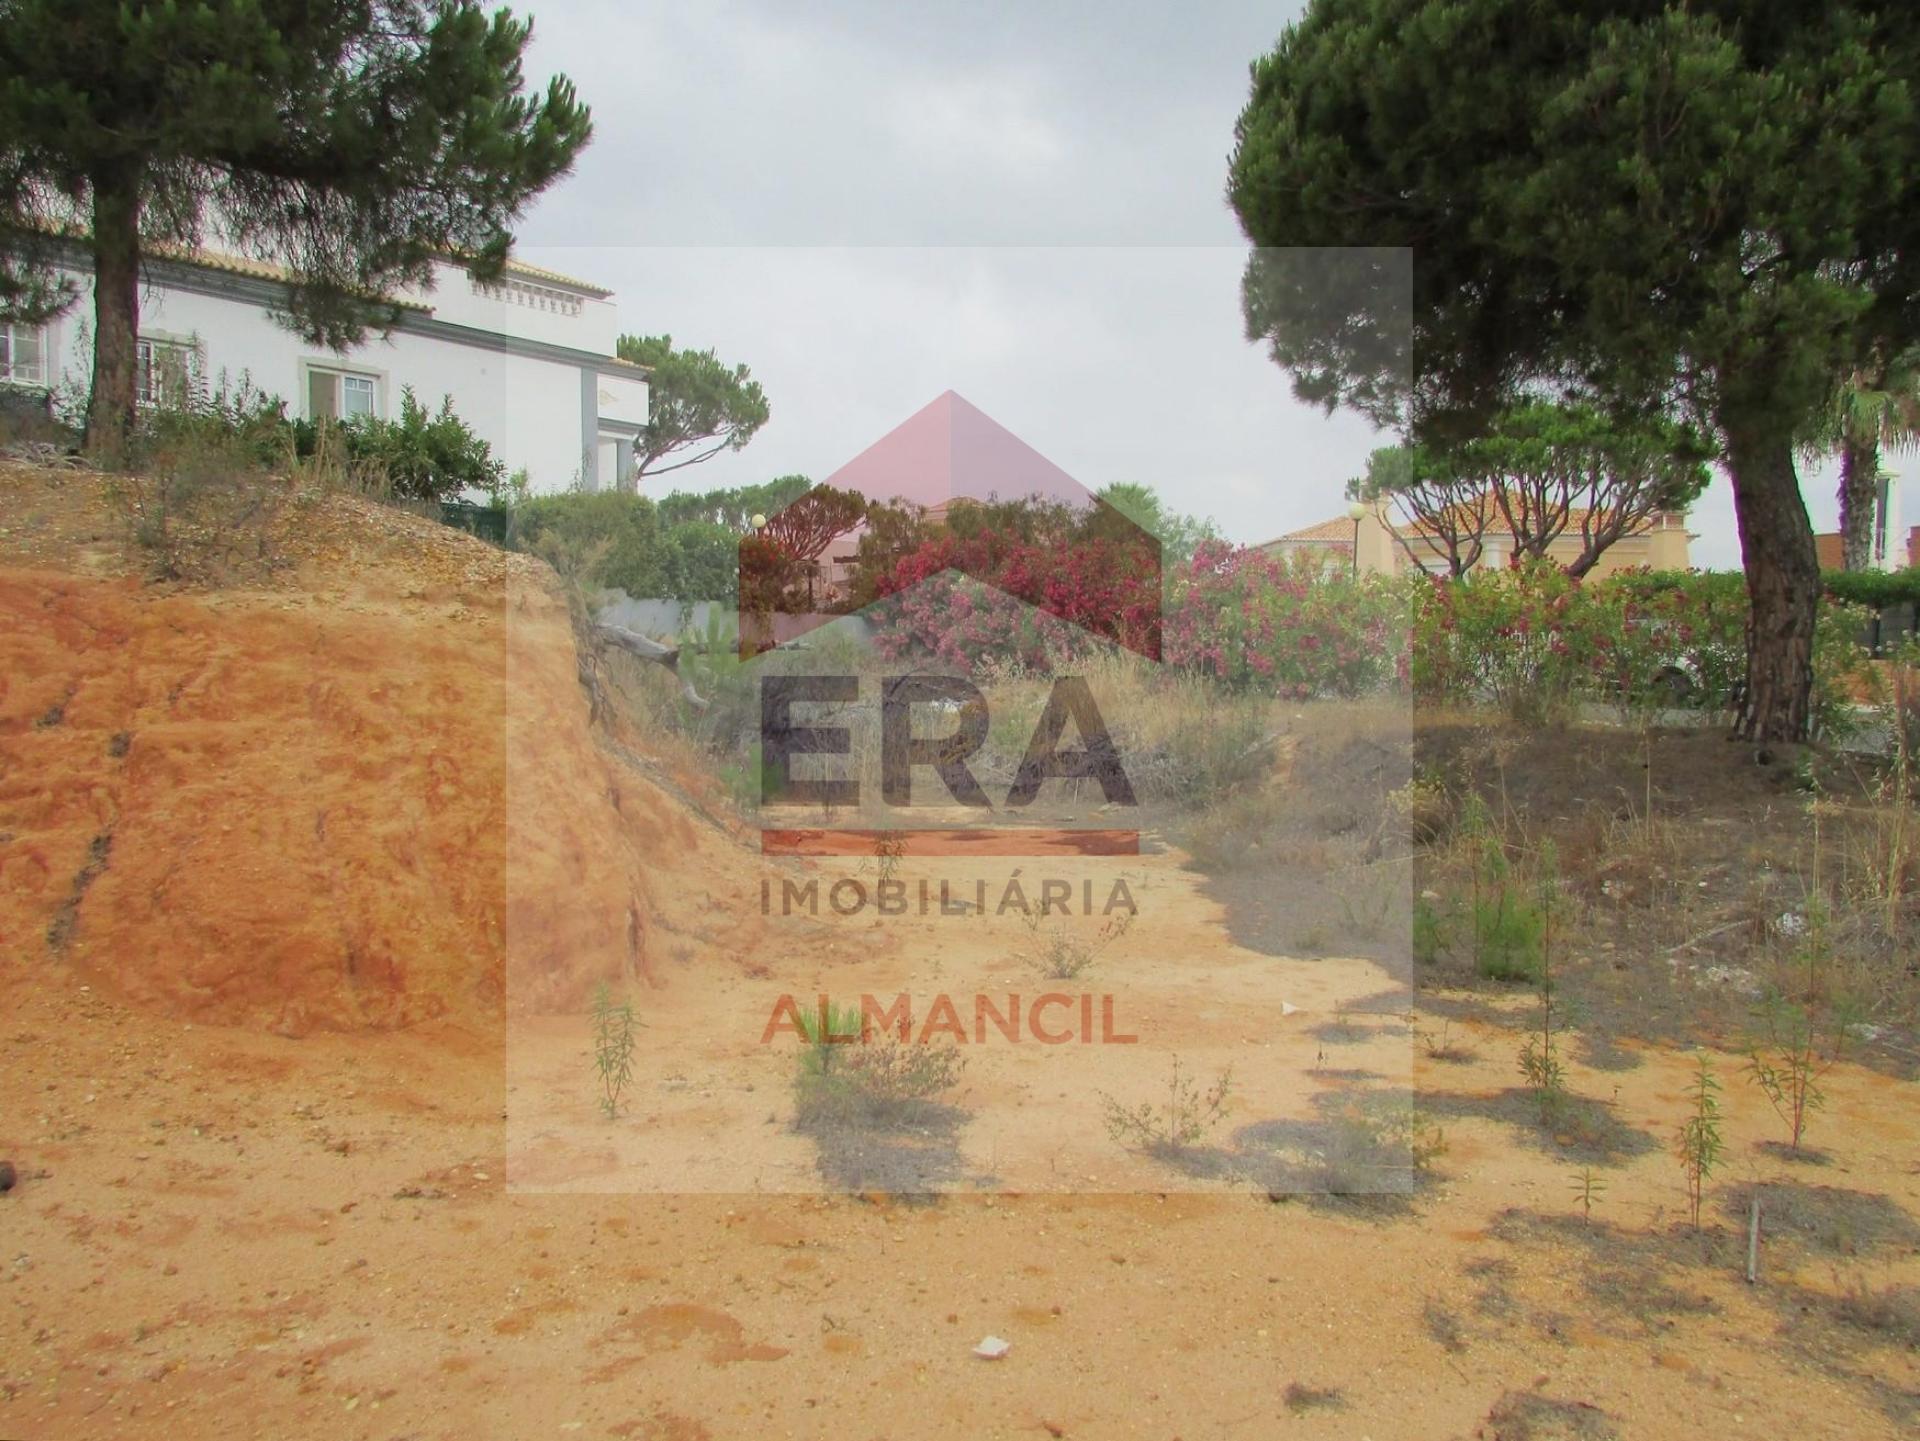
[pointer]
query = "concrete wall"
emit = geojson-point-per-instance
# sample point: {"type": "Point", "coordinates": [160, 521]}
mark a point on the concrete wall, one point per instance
{"type": "Point", "coordinates": [662, 619]}
{"type": "Point", "coordinates": [588, 322]}
{"type": "Point", "coordinates": [1375, 549]}
{"type": "Point", "coordinates": [1666, 547]}
{"type": "Point", "coordinates": [666, 619]}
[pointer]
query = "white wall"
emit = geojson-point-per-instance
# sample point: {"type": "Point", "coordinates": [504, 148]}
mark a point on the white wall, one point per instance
{"type": "Point", "coordinates": [456, 299]}
{"type": "Point", "coordinates": [528, 409]}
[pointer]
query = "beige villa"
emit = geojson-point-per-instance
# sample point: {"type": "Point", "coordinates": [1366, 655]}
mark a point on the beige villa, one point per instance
{"type": "Point", "coordinates": [1388, 545]}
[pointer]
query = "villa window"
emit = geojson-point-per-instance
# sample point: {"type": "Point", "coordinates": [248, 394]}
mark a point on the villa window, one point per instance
{"type": "Point", "coordinates": [163, 372]}
{"type": "Point", "coordinates": [341, 394]}
{"type": "Point", "coordinates": [23, 355]}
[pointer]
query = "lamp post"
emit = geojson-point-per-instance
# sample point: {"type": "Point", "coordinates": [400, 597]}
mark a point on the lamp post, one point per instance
{"type": "Point", "coordinates": [1354, 512]}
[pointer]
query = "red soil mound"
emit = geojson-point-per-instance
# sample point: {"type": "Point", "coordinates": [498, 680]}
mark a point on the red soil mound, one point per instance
{"type": "Point", "coordinates": [294, 807]}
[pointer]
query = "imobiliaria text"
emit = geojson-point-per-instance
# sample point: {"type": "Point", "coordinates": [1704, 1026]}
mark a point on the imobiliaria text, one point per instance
{"type": "Point", "coordinates": [851, 897]}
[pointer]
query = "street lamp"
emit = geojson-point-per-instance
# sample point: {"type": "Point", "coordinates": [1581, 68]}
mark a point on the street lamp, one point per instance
{"type": "Point", "coordinates": [1354, 512]}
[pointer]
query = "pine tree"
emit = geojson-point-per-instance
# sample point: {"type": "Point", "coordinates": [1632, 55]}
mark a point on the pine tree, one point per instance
{"type": "Point", "coordinates": [352, 142]}
{"type": "Point", "coordinates": [1705, 206]}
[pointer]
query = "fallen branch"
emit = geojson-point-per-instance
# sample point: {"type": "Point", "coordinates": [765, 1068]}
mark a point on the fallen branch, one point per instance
{"type": "Point", "coordinates": [1706, 936]}
{"type": "Point", "coordinates": [648, 649]}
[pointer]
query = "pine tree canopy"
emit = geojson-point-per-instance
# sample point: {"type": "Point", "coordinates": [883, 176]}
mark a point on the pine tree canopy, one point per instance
{"type": "Point", "coordinates": [352, 142]}
{"type": "Point", "coordinates": [1703, 207]}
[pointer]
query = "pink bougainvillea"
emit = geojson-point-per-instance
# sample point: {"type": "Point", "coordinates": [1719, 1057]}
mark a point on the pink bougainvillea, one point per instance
{"type": "Point", "coordinates": [962, 599]}
{"type": "Point", "coordinates": [1248, 619]}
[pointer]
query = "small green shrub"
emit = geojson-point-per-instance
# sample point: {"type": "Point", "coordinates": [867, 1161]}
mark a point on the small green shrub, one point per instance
{"type": "Point", "coordinates": [1544, 1072]}
{"type": "Point", "coordinates": [1588, 1188]}
{"type": "Point", "coordinates": [1507, 931]}
{"type": "Point", "coordinates": [1700, 1145]}
{"type": "Point", "coordinates": [1540, 1060]}
{"type": "Point", "coordinates": [827, 1032]}
{"type": "Point", "coordinates": [425, 455]}
{"type": "Point", "coordinates": [1432, 930]}
{"type": "Point", "coordinates": [1509, 926]}
{"type": "Point", "coordinates": [1788, 1056]}
{"type": "Point", "coordinates": [620, 532]}
{"type": "Point", "coordinates": [850, 1075]}
{"type": "Point", "coordinates": [1057, 953]}
{"type": "Point", "coordinates": [710, 663]}
{"type": "Point", "coordinates": [418, 456]}
{"type": "Point", "coordinates": [612, 1048]}
{"type": "Point", "coordinates": [237, 421]}
{"type": "Point", "coordinates": [745, 779]}
{"type": "Point", "coordinates": [1172, 1126]}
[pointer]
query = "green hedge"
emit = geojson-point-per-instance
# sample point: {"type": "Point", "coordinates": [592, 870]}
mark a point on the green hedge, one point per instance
{"type": "Point", "coordinates": [423, 454]}
{"type": "Point", "coordinates": [693, 560]}
{"type": "Point", "coordinates": [1875, 589]}
{"type": "Point", "coordinates": [1534, 642]}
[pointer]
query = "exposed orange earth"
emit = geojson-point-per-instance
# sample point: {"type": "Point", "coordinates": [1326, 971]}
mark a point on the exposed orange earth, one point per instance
{"type": "Point", "coordinates": [263, 860]}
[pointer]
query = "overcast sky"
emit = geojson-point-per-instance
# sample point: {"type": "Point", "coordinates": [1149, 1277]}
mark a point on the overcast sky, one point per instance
{"type": "Point", "coordinates": [872, 203]}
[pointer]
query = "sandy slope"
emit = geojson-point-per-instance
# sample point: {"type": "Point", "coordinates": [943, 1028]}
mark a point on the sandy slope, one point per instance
{"type": "Point", "coordinates": [257, 1070]}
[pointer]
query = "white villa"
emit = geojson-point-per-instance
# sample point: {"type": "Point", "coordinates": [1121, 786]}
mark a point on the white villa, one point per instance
{"type": "Point", "coordinates": [528, 361]}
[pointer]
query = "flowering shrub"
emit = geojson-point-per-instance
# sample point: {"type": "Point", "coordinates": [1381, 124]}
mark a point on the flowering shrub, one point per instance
{"type": "Point", "coordinates": [1670, 621]}
{"type": "Point", "coordinates": [961, 623]}
{"type": "Point", "coordinates": [1248, 619]}
{"type": "Point", "coordinates": [1534, 642]}
{"type": "Point", "coordinates": [964, 599]}
{"type": "Point", "coordinates": [1528, 641]}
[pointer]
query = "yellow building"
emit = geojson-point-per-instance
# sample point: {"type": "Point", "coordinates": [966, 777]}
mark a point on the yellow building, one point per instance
{"type": "Point", "coordinates": [1389, 546]}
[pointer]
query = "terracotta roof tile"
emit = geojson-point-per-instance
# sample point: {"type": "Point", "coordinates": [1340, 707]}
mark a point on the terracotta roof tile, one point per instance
{"type": "Point", "coordinates": [1340, 528]}
{"type": "Point", "coordinates": [554, 277]}
{"type": "Point", "coordinates": [220, 260]}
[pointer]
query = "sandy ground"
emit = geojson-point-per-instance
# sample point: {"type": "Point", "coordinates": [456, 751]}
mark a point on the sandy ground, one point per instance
{"type": "Point", "coordinates": [711, 1099]}
{"type": "Point", "coordinates": [221, 1233]}
{"type": "Point", "coordinates": [389, 1211]}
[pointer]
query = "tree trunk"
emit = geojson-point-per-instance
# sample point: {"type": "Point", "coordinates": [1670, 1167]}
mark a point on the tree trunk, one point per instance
{"type": "Point", "coordinates": [1783, 579]}
{"type": "Point", "coordinates": [116, 313]}
{"type": "Point", "coordinates": [1859, 498]}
